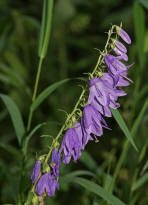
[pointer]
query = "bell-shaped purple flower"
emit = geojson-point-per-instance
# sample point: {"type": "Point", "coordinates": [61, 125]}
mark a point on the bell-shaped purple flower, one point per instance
{"type": "Point", "coordinates": [47, 183]}
{"type": "Point", "coordinates": [113, 64]}
{"type": "Point", "coordinates": [123, 34]}
{"type": "Point", "coordinates": [55, 162]}
{"type": "Point", "coordinates": [103, 95]}
{"type": "Point", "coordinates": [71, 145]}
{"type": "Point", "coordinates": [115, 67]}
{"type": "Point", "coordinates": [92, 121]}
{"type": "Point", "coordinates": [82, 135]}
{"type": "Point", "coordinates": [121, 83]}
{"type": "Point", "coordinates": [36, 171]}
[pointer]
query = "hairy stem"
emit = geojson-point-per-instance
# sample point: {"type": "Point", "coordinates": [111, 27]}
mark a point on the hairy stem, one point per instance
{"type": "Point", "coordinates": [99, 62]}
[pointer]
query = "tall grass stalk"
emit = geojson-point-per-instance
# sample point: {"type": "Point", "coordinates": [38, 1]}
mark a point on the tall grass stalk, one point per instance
{"type": "Point", "coordinates": [43, 46]}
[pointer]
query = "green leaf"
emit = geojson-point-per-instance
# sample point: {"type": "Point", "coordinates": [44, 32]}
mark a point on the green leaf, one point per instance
{"type": "Point", "coordinates": [26, 141]}
{"type": "Point", "coordinates": [45, 27]}
{"type": "Point", "coordinates": [91, 186]}
{"type": "Point", "coordinates": [123, 126]}
{"type": "Point", "coordinates": [44, 94]}
{"type": "Point", "coordinates": [140, 182]}
{"type": "Point", "coordinates": [69, 177]}
{"type": "Point", "coordinates": [15, 116]}
{"type": "Point", "coordinates": [139, 21]}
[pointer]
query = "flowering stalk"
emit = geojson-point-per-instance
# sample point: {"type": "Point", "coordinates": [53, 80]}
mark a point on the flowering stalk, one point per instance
{"type": "Point", "coordinates": [93, 74]}
{"type": "Point", "coordinates": [103, 94]}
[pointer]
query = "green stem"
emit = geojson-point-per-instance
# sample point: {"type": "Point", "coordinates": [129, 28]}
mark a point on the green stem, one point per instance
{"type": "Point", "coordinates": [37, 79]}
{"type": "Point", "coordinates": [99, 61]}
{"type": "Point", "coordinates": [35, 91]}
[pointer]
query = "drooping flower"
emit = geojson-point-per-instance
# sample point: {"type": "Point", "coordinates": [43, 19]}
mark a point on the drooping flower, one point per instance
{"type": "Point", "coordinates": [36, 171]}
{"type": "Point", "coordinates": [82, 135]}
{"type": "Point", "coordinates": [71, 146]}
{"type": "Point", "coordinates": [115, 67]}
{"type": "Point", "coordinates": [121, 83]}
{"type": "Point", "coordinates": [103, 95]}
{"type": "Point", "coordinates": [92, 121]}
{"type": "Point", "coordinates": [47, 183]}
{"type": "Point", "coordinates": [123, 34]}
{"type": "Point", "coordinates": [113, 64]}
{"type": "Point", "coordinates": [55, 162]}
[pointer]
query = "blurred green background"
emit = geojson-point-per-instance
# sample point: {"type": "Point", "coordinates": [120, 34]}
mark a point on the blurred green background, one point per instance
{"type": "Point", "coordinates": [78, 27]}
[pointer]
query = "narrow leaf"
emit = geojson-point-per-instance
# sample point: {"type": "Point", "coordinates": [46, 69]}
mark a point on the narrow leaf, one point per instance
{"type": "Point", "coordinates": [44, 94]}
{"type": "Point", "coordinates": [69, 177]}
{"type": "Point", "coordinates": [140, 182]}
{"type": "Point", "coordinates": [91, 186]}
{"type": "Point", "coordinates": [46, 27]}
{"type": "Point", "coordinates": [15, 116]}
{"type": "Point", "coordinates": [123, 126]}
{"type": "Point", "coordinates": [43, 27]}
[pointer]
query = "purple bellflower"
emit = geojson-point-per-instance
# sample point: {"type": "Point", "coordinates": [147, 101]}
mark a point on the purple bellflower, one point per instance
{"type": "Point", "coordinates": [83, 136]}
{"type": "Point", "coordinates": [115, 67]}
{"type": "Point", "coordinates": [121, 83]}
{"type": "Point", "coordinates": [103, 95]}
{"type": "Point", "coordinates": [55, 162]}
{"type": "Point", "coordinates": [36, 171]}
{"type": "Point", "coordinates": [92, 121]}
{"type": "Point", "coordinates": [71, 145]}
{"type": "Point", "coordinates": [47, 183]}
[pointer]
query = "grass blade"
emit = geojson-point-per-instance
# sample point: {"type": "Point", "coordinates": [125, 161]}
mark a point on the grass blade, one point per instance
{"type": "Point", "coordinates": [125, 147]}
{"type": "Point", "coordinates": [69, 177]}
{"type": "Point", "coordinates": [44, 94]}
{"type": "Point", "coordinates": [45, 27]}
{"type": "Point", "coordinates": [123, 126]}
{"type": "Point", "coordinates": [91, 186]}
{"type": "Point", "coordinates": [15, 116]}
{"type": "Point", "coordinates": [140, 182]}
